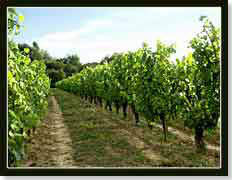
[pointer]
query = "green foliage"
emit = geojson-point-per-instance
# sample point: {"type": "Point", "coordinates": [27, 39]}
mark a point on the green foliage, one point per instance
{"type": "Point", "coordinates": [55, 75]}
{"type": "Point", "coordinates": [153, 99]}
{"type": "Point", "coordinates": [35, 52]}
{"type": "Point", "coordinates": [137, 78]}
{"type": "Point", "coordinates": [57, 69]}
{"type": "Point", "coordinates": [14, 22]}
{"type": "Point", "coordinates": [71, 59]}
{"type": "Point", "coordinates": [201, 81]}
{"type": "Point", "coordinates": [158, 88]}
{"type": "Point", "coordinates": [70, 69]}
{"type": "Point", "coordinates": [28, 87]}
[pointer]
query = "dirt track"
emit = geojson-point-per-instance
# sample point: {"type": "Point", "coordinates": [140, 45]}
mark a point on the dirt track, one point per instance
{"type": "Point", "coordinates": [51, 144]}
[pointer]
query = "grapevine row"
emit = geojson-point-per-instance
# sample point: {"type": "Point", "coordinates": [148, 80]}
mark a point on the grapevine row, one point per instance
{"type": "Point", "coordinates": [28, 87]}
{"type": "Point", "coordinates": [158, 88]}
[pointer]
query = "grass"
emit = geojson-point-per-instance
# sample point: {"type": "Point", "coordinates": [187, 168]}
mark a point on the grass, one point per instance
{"type": "Point", "coordinates": [105, 139]}
{"type": "Point", "coordinates": [211, 136]}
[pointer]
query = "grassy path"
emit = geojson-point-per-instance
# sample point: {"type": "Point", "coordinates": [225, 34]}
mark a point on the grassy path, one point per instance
{"type": "Point", "coordinates": [51, 144]}
{"type": "Point", "coordinates": [187, 137]}
{"type": "Point", "coordinates": [76, 133]}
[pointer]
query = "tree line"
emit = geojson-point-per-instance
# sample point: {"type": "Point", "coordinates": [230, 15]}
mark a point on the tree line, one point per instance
{"type": "Point", "coordinates": [56, 68]}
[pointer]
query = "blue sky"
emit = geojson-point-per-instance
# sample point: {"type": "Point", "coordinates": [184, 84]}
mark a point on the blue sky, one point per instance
{"type": "Point", "coordinates": [93, 33]}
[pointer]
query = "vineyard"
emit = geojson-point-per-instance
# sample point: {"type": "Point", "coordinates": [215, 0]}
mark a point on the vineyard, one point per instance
{"type": "Point", "coordinates": [139, 106]}
{"type": "Point", "coordinates": [28, 87]}
{"type": "Point", "coordinates": [156, 88]}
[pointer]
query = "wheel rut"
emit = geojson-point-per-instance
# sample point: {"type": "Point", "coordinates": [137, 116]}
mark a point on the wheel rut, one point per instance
{"type": "Point", "coordinates": [51, 144]}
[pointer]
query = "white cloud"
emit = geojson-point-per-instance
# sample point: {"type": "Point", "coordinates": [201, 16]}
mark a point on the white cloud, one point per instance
{"type": "Point", "coordinates": [88, 28]}
{"type": "Point", "coordinates": [123, 31]}
{"type": "Point", "coordinates": [67, 39]}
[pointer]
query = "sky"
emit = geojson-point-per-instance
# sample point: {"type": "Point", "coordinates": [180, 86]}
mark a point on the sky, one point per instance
{"type": "Point", "coordinates": [95, 32]}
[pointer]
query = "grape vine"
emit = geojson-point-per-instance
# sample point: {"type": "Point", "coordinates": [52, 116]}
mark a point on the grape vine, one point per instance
{"type": "Point", "coordinates": [28, 87]}
{"type": "Point", "coordinates": [157, 88]}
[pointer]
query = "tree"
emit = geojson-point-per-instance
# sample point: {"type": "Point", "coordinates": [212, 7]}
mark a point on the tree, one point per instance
{"type": "Point", "coordinates": [72, 59]}
{"type": "Point", "coordinates": [46, 56]}
{"type": "Point", "coordinates": [35, 45]}
{"type": "Point", "coordinates": [70, 69]}
{"type": "Point", "coordinates": [55, 76]}
{"type": "Point", "coordinates": [35, 52]}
